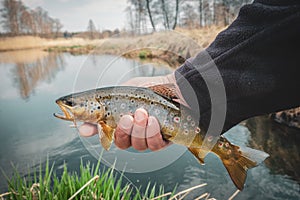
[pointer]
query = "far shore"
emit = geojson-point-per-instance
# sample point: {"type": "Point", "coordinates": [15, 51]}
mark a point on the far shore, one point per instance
{"type": "Point", "coordinates": [35, 42]}
{"type": "Point", "coordinates": [180, 41]}
{"type": "Point", "coordinates": [170, 47]}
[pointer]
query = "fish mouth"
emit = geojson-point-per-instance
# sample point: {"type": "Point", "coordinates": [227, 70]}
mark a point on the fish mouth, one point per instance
{"type": "Point", "coordinates": [67, 114]}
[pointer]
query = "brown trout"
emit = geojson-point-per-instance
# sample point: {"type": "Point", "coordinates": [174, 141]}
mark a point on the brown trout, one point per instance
{"type": "Point", "coordinates": [105, 106]}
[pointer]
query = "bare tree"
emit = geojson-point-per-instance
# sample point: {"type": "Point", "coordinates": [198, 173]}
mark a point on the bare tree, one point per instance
{"type": "Point", "coordinates": [189, 16]}
{"type": "Point", "coordinates": [228, 9]}
{"type": "Point", "coordinates": [176, 14]}
{"type": "Point", "coordinates": [43, 23]}
{"type": "Point", "coordinates": [91, 29]}
{"type": "Point", "coordinates": [169, 13]}
{"type": "Point", "coordinates": [130, 19]}
{"type": "Point", "coordinates": [26, 22]}
{"type": "Point", "coordinates": [57, 26]}
{"type": "Point", "coordinates": [18, 19]}
{"type": "Point", "coordinates": [165, 14]}
{"type": "Point", "coordinates": [137, 12]}
{"type": "Point", "coordinates": [150, 15]}
{"type": "Point", "coordinates": [11, 14]}
{"type": "Point", "coordinates": [160, 12]}
{"type": "Point", "coordinates": [200, 12]}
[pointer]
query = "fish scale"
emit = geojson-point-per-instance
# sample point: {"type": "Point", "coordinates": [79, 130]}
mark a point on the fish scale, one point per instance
{"type": "Point", "coordinates": [105, 106]}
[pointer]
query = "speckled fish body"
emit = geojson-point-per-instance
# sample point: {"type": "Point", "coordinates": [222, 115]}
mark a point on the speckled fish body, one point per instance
{"type": "Point", "coordinates": [173, 120]}
{"type": "Point", "coordinates": [105, 107]}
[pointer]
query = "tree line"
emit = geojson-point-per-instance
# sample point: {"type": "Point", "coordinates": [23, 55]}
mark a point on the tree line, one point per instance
{"type": "Point", "coordinates": [168, 14]}
{"type": "Point", "coordinates": [18, 19]}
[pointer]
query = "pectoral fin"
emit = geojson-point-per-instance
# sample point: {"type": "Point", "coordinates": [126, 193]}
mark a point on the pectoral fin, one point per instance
{"type": "Point", "coordinates": [106, 134]}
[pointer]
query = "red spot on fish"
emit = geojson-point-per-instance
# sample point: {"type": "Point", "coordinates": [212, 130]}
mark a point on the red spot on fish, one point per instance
{"type": "Point", "coordinates": [189, 118]}
{"type": "Point", "coordinates": [176, 119]}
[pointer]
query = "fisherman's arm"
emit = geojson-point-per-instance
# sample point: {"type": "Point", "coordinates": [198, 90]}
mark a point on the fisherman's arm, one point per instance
{"type": "Point", "coordinates": [257, 58]}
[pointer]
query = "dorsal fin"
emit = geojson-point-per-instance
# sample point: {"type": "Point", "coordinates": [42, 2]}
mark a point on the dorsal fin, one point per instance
{"type": "Point", "coordinates": [167, 91]}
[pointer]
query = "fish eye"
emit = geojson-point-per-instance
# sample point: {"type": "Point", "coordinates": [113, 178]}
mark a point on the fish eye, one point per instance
{"type": "Point", "coordinates": [69, 102]}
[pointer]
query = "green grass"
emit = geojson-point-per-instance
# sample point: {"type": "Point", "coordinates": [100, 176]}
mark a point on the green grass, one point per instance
{"type": "Point", "coordinates": [143, 54]}
{"type": "Point", "coordinates": [74, 50]}
{"type": "Point", "coordinates": [75, 46]}
{"type": "Point", "coordinates": [90, 183]}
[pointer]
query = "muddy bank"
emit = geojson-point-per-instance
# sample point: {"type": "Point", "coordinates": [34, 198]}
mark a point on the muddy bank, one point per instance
{"type": "Point", "coordinates": [169, 47]}
{"type": "Point", "coordinates": [74, 49]}
{"type": "Point", "coordinates": [289, 117]}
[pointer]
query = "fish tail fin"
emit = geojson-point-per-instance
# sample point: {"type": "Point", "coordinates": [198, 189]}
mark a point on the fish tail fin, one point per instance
{"type": "Point", "coordinates": [106, 134]}
{"type": "Point", "coordinates": [243, 160]}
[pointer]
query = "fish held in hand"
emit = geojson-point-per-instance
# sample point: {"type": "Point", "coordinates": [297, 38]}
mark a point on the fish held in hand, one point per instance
{"type": "Point", "coordinates": [105, 106]}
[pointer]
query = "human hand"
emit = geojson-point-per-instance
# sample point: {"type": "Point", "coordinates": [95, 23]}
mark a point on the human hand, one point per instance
{"type": "Point", "coordinates": [140, 130]}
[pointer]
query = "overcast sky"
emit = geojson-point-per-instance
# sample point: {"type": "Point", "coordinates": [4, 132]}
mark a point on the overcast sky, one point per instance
{"type": "Point", "coordinates": [75, 14]}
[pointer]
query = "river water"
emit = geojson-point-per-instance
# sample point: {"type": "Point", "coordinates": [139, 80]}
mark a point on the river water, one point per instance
{"type": "Point", "coordinates": [31, 81]}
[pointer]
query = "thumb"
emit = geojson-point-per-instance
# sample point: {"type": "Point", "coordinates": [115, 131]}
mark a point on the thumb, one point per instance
{"type": "Point", "coordinates": [87, 130]}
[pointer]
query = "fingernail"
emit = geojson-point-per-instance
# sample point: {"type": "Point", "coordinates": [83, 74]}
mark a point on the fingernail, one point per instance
{"type": "Point", "coordinates": [126, 122]}
{"type": "Point", "coordinates": [151, 121]}
{"type": "Point", "coordinates": [152, 128]}
{"type": "Point", "coordinates": [86, 130]}
{"type": "Point", "coordinates": [140, 116]}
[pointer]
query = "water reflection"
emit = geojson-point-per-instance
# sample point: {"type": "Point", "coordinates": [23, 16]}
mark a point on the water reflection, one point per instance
{"type": "Point", "coordinates": [22, 56]}
{"type": "Point", "coordinates": [280, 141]}
{"type": "Point", "coordinates": [33, 67]}
{"type": "Point", "coordinates": [27, 75]}
{"type": "Point", "coordinates": [30, 83]}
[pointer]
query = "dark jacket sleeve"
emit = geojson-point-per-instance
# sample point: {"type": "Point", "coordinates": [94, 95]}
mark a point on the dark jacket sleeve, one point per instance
{"type": "Point", "coordinates": [258, 60]}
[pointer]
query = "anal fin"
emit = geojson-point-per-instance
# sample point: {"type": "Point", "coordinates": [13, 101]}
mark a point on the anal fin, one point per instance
{"type": "Point", "coordinates": [106, 134]}
{"type": "Point", "coordinates": [197, 152]}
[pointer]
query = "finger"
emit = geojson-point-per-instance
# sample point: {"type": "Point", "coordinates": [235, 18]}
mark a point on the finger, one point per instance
{"type": "Point", "coordinates": [138, 134]}
{"type": "Point", "coordinates": [123, 131]}
{"type": "Point", "coordinates": [155, 141]}
{"type": "Point", "coordinates": [87, 130]}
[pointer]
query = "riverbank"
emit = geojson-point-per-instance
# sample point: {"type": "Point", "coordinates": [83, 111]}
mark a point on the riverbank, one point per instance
{"type": "Point", "coordinates": [181, 41]}
{"type": "Point", "coordinates": [166, 47]}
{"type": "Point", "coordinates": [34, 42]}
